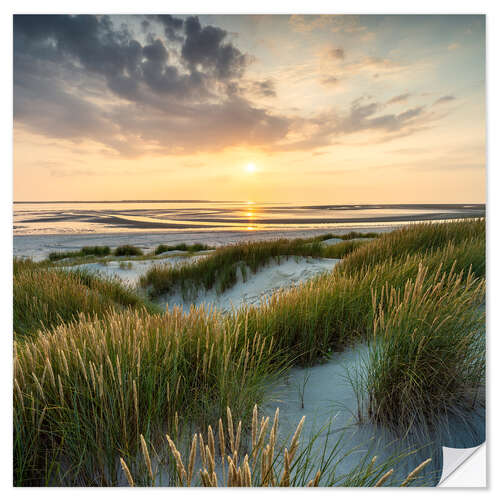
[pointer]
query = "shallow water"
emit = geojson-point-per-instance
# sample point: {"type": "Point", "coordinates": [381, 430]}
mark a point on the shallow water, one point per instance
{"type": "Point", "coordinates": [142, 216]}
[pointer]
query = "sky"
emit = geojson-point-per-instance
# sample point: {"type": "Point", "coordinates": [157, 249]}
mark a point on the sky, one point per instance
{"type": "Point", "coordinates": [327, 109]}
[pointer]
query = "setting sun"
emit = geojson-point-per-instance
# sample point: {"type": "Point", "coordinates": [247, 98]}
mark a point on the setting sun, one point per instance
{"type": "Point", "coordinates": [251, 168]}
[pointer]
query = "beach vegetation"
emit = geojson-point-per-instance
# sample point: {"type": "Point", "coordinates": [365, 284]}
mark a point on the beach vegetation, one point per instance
{"type": "Point", "coordinates": [44, 297]}
{"type": "Point", "coordinates": [127, 250]}
{"type": "Point", "coordinates": [224, 458]}
{"type": "Point", "coordinates": [96, 251]}
{"type": "Point", "coordinates": [196, 247]}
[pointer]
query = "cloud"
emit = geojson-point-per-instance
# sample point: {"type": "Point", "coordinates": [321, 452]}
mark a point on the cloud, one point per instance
{"type": "Point", "coordinates": [263, 88]}
{"type": "Point", "coordinates": [399, 98]}
{"type": "Point", "coordinates": [181, 87]}
{"type": "Point", "coordinates": [333, 61]}
{"type": "Point", "coordinates": [453, 46]}
{"type": "Point", "coordinates": [305, 24]}
{"type": "Point", "coordinates": [444, 99]}
{"type": "Point", "coordinates": [330, 81]}
{"type": "Point", "coordinates": [206, 46]}
{"type": "Point", "coordinates": [334, 23]}
{"type": "Point", "coordinates": [171, 26]}
{"type": "Point", "coordinates": [82, 78]}
{"type": "Point", "coordinates": [362, 116]}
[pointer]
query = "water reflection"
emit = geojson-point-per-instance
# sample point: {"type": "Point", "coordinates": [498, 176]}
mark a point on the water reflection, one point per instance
{"type": "Point", "coordinates": [86, 217]}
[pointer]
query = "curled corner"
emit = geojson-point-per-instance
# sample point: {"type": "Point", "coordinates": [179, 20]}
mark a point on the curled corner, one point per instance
{"type": "Point", "coordinates": [454, 458]}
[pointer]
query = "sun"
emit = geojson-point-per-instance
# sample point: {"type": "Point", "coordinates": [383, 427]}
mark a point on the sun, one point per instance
{"type": "Point", "coordinates": [251, 168]}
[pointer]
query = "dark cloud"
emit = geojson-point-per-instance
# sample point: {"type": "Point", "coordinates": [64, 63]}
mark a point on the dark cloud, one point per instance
{"type": "Point", "coordinates": [171, 26]}
{"type": "Point", "coordinates": [399, 98]}
{"type": "Point", "coordinates": [175, 98]}
{"type": "Point", "coordinates": [444, 99]}
{"type": "Point", "coordinates": [102, 49]}
{"type": "Point", "coordinates": [206, 46]}
{"type": "Point", "coordinates": [263, 88]}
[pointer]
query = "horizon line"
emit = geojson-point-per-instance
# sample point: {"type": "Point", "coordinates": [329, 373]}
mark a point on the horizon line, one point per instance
{"type": "Point", "coordinates": [481, 204]}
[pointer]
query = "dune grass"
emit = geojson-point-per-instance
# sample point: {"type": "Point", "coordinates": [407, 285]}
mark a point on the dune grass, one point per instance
{"type": "Point", "coordinates": [127, 250]}
{"type": "Point", "coordinates": [86, 388]}
{"type": "Point", "coordinates": [347, 236]}
{"type": "Point", "coordinates": [419, 239]}
{"type": "Point", "coordinates": [85, 391]}
{"type": "Point", "coordinates": [336, 309]}
{"type": "Point", "coordinates": [104, 253]}
{"type": "Point", "coordinates": [428, 356]}
{"type": "Point", "coordinates": [96, 251]}
{"type": "Point", "coordinates": [219, 270]}
{"type": "Point", "coordinates": [224, 460]}
{"type": "Point", "coordinates": [45, 296]}
{"type": "Point", "coordinates": [196, 247]}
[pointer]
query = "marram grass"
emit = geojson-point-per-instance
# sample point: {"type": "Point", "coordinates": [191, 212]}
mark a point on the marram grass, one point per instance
{"type": "Point", "coordinates": [221, 460]}
{"type": "Point", "coordinates": [45, 296]}
{"type": "Point", "coordinates": [428, 352]}
{"type": "Point", "coordinates": [336, 309]}
{"type": "Point", "coordinates": [420, 239]}
{"type": "Point", "coordinates": [85, 391]}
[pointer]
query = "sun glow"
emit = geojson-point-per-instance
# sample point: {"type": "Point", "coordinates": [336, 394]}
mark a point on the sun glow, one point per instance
{"type": "Point", "coordinates": [251, 168]}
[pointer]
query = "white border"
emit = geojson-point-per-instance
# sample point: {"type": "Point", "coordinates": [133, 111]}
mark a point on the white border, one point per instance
{"type": "Point", "coordinates": [261, 7]}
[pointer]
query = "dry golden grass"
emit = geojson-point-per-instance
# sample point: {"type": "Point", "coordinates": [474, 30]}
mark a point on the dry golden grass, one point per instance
{"type": "Point", "coordinates": [259, 467]}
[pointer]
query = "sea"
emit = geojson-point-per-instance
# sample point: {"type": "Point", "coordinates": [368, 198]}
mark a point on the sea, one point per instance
{"type": "Point", "coordinates": [100, 217]}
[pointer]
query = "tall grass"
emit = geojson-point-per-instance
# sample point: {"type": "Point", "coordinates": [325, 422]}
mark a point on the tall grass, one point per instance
{"type": "Point", "coordinates": [84, 392]}
{"type": "Point", "coordinates": [98, 251]}
{"type": "Point", "coordinates": [336, 309]}
{"type": "Point", "coordinates": [221, 458]}
{"type": "Point", "coordinates": [45, 297]}
{"type": "Point", "coordinates": [196, 247]}
{"type": "Point", "coordinates": [126, 250]}
{"type": "Point", "coordinates": [220, 269]}
{"type": "Point", "coordinates": [347, 236]}
{"type": "Point", "coordinates": [419, 239]}
{"type": "Point", "coordinates": [428, 356]}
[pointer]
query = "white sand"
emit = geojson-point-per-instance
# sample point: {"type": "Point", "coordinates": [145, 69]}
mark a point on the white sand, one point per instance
{"type": "Point", "coordinates": [138, 267]}
{"type": "Point", "coordinates": [332, 241]}
{"type": "Point", "coordinates": [290, 272]}
{"type": "Point", "coordinates": [330, 406]}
